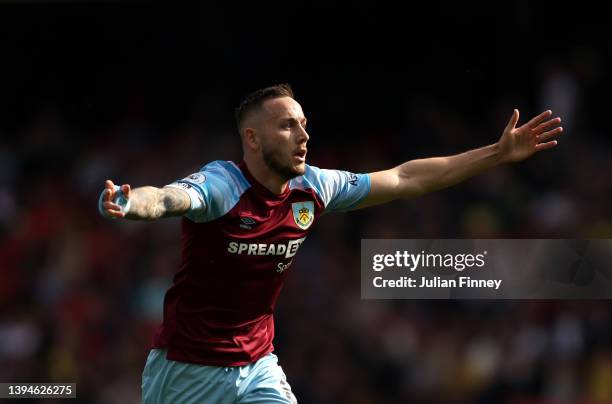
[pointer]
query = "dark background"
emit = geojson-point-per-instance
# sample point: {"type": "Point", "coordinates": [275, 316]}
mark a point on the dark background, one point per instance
{"type": "Point", "coordinates": [144, 94]}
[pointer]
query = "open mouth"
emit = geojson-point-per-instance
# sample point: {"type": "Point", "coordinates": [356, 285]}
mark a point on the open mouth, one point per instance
{"type": "Point", "coordinates": [300, 155]}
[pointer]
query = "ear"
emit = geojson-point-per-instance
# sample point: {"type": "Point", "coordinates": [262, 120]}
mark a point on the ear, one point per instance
{"type": "Point", "coordinates": [251, 139]}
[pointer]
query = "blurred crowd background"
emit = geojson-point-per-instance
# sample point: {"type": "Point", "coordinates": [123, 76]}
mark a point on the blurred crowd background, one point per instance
{"type": "Point", "coordinates": [144, 94]}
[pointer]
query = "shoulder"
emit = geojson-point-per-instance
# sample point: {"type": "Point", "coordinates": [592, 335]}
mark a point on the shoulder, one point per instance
{"type": "Point", "coordinates": [218, 185]}
{"type": "Point", "coordinates": [315, 177]}
{"type": "Point", "coordinates": [225, 174]}
{"type": "Point", "coordinates": [312, 178]}
{"type": "Point", "coordinates": [339, 190]}
{"type": "Point", "coordinates": [321, 180]}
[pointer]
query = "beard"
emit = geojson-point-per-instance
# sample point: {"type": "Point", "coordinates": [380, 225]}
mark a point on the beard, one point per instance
{"type": "Point", "coordinates": [273, 160]}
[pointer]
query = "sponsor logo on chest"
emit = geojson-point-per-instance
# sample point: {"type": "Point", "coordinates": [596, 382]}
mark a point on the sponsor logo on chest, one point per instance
{"type": "Point", "coordinates": [286, 250]}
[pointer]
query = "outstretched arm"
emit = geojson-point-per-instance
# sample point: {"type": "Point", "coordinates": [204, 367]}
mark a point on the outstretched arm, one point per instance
{"type": "Point", "coordinates": [419, 177]}
{"type": "Point", "coordinates": [145, 203]}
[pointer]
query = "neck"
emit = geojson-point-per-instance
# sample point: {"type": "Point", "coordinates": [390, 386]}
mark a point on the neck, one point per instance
{"type": "Point", "coordinates": [265, 176]}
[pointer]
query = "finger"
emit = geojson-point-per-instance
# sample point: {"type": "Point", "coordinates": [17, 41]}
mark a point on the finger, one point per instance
{"type": "Point", "coordinates": [107, 195]}
{"type": "Point", "coordinates": [513, 120]}
{"type": "Point", "coordinates": [111, 206]}
{"type": "Point", "coordinates": [547, 125]}
{"type": "Point", "coordinates": [126, 190]}
{"type": "Point", "coordinates": [546, 145]}
{"type": "Point", "coordinates": [109, 191]}
{"type": "Point", "coordinates": [115, 213]}
{"type": "Point", "coordinates": [549, 134]}
{"type": "Point", "coordinates": [538, 119]}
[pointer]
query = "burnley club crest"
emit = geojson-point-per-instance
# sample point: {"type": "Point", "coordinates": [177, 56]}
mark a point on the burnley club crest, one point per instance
{"type": "Point", "coordinates": [303, 214]}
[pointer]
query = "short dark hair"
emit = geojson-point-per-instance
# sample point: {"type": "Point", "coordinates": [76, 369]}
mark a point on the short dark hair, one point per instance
{"type": "Point", "coordinates": [256, 99]}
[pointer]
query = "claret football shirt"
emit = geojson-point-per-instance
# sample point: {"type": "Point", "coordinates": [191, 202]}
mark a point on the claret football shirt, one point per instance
{"type": "Point", "coordinates": [239, 240]}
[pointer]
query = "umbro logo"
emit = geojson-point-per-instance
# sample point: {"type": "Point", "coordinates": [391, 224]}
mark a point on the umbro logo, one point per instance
{"type": "Point", "coordinates": [247, 222]}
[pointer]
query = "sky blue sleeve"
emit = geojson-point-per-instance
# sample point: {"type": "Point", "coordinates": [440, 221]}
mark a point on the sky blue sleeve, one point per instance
{"type": "Point", "coordinates": [341, 191]}
{"type": "Point", "coordinates": [213, 190]}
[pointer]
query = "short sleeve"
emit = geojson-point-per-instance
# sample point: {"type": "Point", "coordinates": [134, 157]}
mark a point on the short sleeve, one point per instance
{"type": "Point", "coordinates": [213, 190]}
{"type": "Point", "coordinates": [340, 191]}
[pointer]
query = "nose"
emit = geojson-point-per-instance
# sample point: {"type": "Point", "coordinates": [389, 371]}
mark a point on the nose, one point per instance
{"type": "Point", "coordinates": [302, 135]}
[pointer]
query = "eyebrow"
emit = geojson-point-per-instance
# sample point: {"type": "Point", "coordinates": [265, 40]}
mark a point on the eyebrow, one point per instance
{"type": "Point", "coordinates": [292, 119]}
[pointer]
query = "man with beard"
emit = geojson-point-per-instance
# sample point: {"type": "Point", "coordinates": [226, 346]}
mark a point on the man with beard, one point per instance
{"type": "Point", "coordinates": [242, 225]}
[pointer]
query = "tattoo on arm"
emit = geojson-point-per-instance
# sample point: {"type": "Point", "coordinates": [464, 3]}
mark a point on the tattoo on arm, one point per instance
{"type": "Point", "coordinates": [149, 203]}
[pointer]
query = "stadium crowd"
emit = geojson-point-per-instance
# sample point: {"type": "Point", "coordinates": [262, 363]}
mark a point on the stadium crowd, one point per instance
{"type": "Point", "coordinates": [81, 296]}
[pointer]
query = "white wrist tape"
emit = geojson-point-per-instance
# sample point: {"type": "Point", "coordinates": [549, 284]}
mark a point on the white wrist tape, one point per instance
{"type": "Point", "coordinates": [120, 199]}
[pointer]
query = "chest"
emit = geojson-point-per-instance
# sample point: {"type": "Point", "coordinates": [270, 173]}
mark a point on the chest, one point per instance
{"type": "Point", "coordinates": [272, 220]}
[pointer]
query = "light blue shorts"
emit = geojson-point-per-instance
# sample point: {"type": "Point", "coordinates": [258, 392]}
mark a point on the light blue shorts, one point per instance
{"type": "Point", "coordinates": [165, 381]}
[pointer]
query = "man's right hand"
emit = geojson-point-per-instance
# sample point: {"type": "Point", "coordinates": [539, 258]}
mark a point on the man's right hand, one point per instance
{"type": "Point", "coordinates": [109, 206]}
